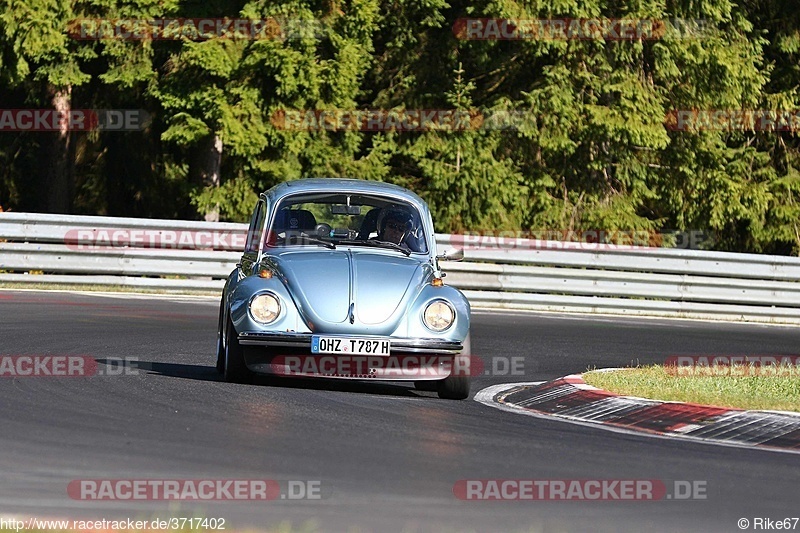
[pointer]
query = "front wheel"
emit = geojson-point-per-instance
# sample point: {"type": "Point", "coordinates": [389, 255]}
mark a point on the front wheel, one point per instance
{"type": "Point", "coordinates": [220, 344]}
{"type": "Point", "coordinates": [453, 388]}
{"type": "Point", "coordinates": [235, 370]}
{"type": "Point", "coordinates": [457, 387]}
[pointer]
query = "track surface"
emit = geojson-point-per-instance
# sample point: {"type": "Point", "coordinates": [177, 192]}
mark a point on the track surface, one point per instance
{"type": "Point", "coordinates": [386, 455]}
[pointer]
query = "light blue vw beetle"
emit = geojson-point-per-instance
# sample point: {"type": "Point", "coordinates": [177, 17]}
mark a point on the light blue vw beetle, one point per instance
{"type": "Point", "coordinates": [340, 278]}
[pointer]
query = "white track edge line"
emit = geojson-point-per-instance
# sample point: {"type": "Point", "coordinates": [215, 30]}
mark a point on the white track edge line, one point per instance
{"type": "Point", "coordinates": [486, 397]}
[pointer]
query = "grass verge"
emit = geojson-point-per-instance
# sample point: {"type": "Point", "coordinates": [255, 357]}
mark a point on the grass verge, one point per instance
{"type": "Point", "coordinates": [776, 388]}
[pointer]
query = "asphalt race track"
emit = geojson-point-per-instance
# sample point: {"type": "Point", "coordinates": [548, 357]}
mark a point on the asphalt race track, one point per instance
{"type": "Point", "coordinates": [386, 457]}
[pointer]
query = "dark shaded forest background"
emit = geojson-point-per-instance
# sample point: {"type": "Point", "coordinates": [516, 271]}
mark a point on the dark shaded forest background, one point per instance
{"type": "Point", "coordinates": [600, 156]}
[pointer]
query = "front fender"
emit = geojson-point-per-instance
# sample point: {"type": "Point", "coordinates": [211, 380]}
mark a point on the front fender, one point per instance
{"type": "Point", "coordinates": [415, 326]}
{"type": "Point", "coordinates": [241, 290]}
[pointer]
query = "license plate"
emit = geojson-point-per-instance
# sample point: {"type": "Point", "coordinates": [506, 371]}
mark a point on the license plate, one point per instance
{"type": "Point", "coordinates": [349, 345]}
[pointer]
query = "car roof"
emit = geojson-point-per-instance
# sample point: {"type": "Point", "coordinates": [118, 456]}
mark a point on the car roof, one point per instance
{"type": "Point", "coordinates": [344, 185]}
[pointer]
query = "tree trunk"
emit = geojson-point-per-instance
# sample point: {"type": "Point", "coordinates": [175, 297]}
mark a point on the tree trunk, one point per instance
{"type": "Point", "coordinates": [56, 170]}
{"type": "Point", "coordinates": [210, 172]}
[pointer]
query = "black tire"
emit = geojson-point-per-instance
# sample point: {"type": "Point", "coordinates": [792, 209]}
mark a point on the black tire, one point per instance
{"type": "Point", "coordinates": [453, 388]}
{"type": "Point", "coordinates": [456, 387]}
{"type": "Point", "coordinates": [220, 344]}
{"type": "Point", "coordinates": [235, 370]}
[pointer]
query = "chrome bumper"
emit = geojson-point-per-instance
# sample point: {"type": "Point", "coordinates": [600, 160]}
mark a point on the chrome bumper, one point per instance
{"type": "Point", "coordinates": [303, 341]}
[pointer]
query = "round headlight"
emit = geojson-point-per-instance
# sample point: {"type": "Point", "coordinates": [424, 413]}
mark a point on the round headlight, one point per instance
{"type": "Point", "coordinates": [439, 316]}
{"type": "Point", "coordinates": [265, 308]}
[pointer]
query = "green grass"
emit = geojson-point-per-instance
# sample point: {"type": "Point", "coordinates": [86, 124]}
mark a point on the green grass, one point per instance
{"type": "Point", "coordinates": [742, 387]}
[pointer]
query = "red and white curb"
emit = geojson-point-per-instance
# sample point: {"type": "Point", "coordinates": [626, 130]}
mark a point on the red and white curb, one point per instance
{"type": "Point", "coordinates": [572, 399]}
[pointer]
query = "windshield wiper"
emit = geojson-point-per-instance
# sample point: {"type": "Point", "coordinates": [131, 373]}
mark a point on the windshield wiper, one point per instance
{"type": "Point", "coordinates": [326, 244]}
{"type": "Point", "coordinates": [377, 244]}
{"type": "Point", "coordinates": [313, 240]}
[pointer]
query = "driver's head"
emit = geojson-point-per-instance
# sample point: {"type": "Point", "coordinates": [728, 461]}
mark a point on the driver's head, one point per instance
{"type": "Point", "coordinates": [395, 225]}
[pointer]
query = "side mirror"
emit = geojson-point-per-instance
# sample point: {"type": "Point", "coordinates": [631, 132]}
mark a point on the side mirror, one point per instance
{"type": "Point", "coordinates": [453, 254]}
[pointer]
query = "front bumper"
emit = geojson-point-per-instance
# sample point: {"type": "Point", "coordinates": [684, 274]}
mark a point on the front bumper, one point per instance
{"type": "Point", "coordinates": [303, 341]}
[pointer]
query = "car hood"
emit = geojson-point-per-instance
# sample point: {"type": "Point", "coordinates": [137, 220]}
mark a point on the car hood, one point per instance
{"type": "Point", "coordinates": [326, 283]}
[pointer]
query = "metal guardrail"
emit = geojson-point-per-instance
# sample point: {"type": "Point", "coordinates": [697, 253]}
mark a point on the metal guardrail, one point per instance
{"type": "Point", "coordinates": [538, 275]}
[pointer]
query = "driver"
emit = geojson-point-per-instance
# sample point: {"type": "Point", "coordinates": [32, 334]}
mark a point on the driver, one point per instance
{"type": "Point", "coordinates": [395, 225]}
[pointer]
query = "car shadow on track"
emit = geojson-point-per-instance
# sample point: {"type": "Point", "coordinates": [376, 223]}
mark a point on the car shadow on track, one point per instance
{"type": "Point", "coordinates": [209, 373]}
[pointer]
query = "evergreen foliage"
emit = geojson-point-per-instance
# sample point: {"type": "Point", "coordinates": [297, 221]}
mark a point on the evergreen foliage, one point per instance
{"type": "Point", "coordinates": [595, 151]}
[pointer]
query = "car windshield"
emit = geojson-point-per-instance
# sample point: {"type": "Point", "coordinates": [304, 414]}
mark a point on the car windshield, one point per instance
{"type": "Point", "coordinates": [339, 219]}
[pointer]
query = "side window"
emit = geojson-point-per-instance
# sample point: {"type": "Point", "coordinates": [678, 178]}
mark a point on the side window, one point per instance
{"type": "Point", "coordinates": [256, 228]}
